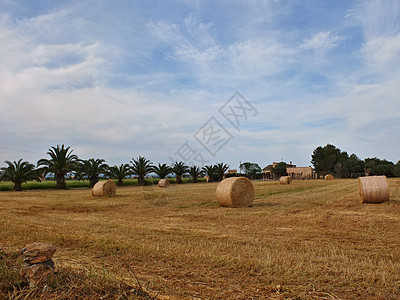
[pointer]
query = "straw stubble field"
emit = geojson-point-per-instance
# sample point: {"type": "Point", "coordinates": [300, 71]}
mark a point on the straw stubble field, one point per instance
{"type": "Point", "coordinates": [306, 240]}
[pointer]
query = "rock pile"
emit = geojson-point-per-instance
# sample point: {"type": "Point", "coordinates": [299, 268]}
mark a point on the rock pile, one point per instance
{"type": "Point", "coordinates": [38, 266]}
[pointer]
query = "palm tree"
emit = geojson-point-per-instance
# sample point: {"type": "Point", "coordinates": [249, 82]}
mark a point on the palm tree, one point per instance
{"type": "Point", "coordinates": [119, 173]}
{"type": "Point", "coordinates": [92, 168]}
{"type": "Point", "coordinates": [141, 167]}
{"type": "Point", "coordinates": [195, 172]}
{"type": "Point", "coordinates": [209, 171]}
{"type": "Point", "coordinates": [179, 168]}
{"type": "Point", "coordinates": [220, 169]}
{"type": "Point", "coordinates": [162, 170]}
{"type": "Point", "coordinates": [60, 163]}
{"type": "Point", "coordinates": [18, 173]}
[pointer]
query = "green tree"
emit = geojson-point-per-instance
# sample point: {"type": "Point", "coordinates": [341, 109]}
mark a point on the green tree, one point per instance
{"type": "Point", "coordinates": [348, 166]}
{"type": "Point", "coordinates": [279, 169]}
{"type": "Point", "coordinates": [355, 164]}
{"type": "Point", "coordinates": [325, 158]}
{"type": "Point", "coordinates": [250, 169]}
{"type": "Point", "coordinates": [119, 173]}
{"type": "Point", "coordinates": [179, 169]}
{"type": "Point", "coordinates": [209, 171]}
{"type": "Point", "coordinates": [341, 170]}
{"type": "Point", "coordinates": [92, 168]}
{"type": "Point", "coordinates": [379, 167]}
{"type": "Point", "coordinates": [18, 173]}
{"type": "Point", "coordinates": [220, 169]}
{"type": "Point", "coordinates": [195, 172]}
{"type": "Point", "coordinates": [396, 169]}
{"type": "Point", "coordinates": [141, 167]}
{"type": "Point", "coordinates": [162, 170]}
{"type": "Point", "coordinates": [61, 162]}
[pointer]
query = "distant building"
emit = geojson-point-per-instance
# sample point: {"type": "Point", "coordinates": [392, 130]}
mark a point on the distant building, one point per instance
{"type": "Point", "coordinates": [301, 172]}
{"type": "Point", "coordinates": [267, 174]}
{"type": "Point", "coordinates": [229, 172]}
{"type": "Point", "coordinates": [292, 170]}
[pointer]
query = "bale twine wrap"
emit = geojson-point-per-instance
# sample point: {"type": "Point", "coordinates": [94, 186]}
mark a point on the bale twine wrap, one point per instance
{"type": "Point", "coordinates": [235, 192]}
{"type": "Point", "coordinates": [104, 188]}
{"type": "Point", "coordinates": [373, 189]}
{"type": "Point", "coordinates": [163, 183]}
{"type": "Point", "coordinates": [329, 177]}
{"type": "Point", "coordinates": [284, 180]}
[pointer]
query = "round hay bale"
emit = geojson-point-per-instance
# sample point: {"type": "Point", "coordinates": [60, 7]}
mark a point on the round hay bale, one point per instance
{"type": "Point", "coordinates": [104, 188]}
{"type": "Point", "coordinates": [284, 180]}
{"type": "Point", "coordinates": [235, 192]}
{"type": "Point", "coordinates": [373, 189]}
{"type": "Point", "coordinates": [163, 183]}
{"type": "Point", "coordinates": [329, 177]}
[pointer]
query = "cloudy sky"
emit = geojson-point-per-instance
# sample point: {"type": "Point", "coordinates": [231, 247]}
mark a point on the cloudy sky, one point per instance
{"type": "Point", "coordinates": [115, 79]}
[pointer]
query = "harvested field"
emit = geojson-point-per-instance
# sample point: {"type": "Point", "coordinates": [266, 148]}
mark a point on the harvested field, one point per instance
{"type": "Point", "coordinates": [311, 239]}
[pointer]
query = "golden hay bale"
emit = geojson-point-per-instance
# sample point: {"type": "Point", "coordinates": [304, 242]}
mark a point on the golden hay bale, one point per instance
{"type": "Point", "coordinates": [373, 189]}
{"type": "Point", "coordinates": [104, 188]}
{"type": "Point", "coordinates": [163, 183]}
{"type": "Point", "coordinates": [235, 192]}
{"type": "Point", "coordinates": [284, 180]}
{"type": "Point", "coordinates": [329, 177]}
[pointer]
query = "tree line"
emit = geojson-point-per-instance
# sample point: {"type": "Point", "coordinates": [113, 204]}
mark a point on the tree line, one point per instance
{"type": "Point", "coordinates": [62, 161]}
{"type": "Point", "coordinates": [331, 160]}
{"type": "Point", "coordinates": [326, 160]}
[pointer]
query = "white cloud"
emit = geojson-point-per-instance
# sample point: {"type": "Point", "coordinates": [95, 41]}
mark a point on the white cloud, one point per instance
{"type": "Point", "coordinates": [378, 17]}
{"type": "Point", "coordinates": [192, 45]}
{"type": "Point", "coordinates": [380, 23]}
{"type": "Point", "coordinates": [118, 89]}
{"type": "Point", "coordinates": [321, 41]}
{"type": "Point", "coordinates": [383, 54]}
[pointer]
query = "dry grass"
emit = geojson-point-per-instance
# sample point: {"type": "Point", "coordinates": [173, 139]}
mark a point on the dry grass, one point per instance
{"type": "Point", "coordinates": [306, 240]}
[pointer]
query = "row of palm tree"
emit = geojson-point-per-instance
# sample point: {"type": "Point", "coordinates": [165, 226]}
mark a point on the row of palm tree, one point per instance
{"type": "Point", "coordinates": [62, 162]}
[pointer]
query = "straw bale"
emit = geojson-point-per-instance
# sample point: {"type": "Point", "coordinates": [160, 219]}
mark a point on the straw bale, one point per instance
{"type": "Point", "coordinates": [163, 183]}
{"type": "Point", "coordinates": [104, 188]}
{"type": "Point", "coordinates": [373, 189]}
{"type": "Point", "coordinates": [235, 192]}
{"type": "Point", "coordinates": [284, 180]}
{"type": "Point", "coordinates": [329, 177]}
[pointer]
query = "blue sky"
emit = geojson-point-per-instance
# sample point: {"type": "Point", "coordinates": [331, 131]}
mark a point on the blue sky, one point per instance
{"type": "Point", "coordinates": [119, 79]}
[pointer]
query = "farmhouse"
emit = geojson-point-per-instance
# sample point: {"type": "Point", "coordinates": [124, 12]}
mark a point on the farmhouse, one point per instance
{"type": "Point", "coordinates": [301, 172]}
{"type": "Point", "coordinates": [292, 170]}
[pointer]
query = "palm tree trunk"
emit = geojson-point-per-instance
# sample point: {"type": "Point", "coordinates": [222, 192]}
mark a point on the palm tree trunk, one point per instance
{"type": "Point", "coordinates": [141, 180]}
{"type": "Point", "coordinates": [93, 181]}
{"type": "Point", "coordinates": [17, 186]}
{"type": "Point", "coordinates": [178, 179]}
{"type": "Point", "coordinates": [60, 181]}
{"type": "Point", "coordinates": [120, 182]}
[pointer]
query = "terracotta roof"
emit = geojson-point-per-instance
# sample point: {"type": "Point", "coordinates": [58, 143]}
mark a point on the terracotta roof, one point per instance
{"type": "Point", "coordinates": [268, 168]}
